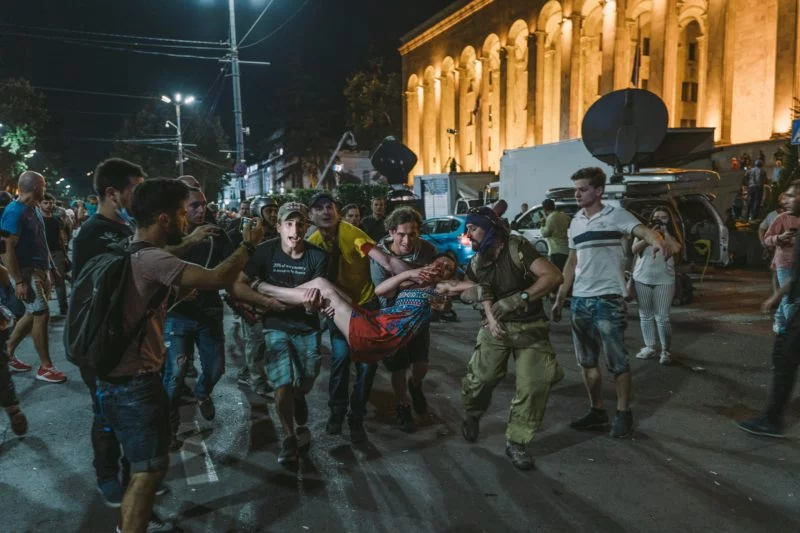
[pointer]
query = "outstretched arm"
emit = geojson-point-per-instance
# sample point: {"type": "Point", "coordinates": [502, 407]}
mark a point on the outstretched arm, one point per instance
{"type": "Point", "coordinates": [395, 283]}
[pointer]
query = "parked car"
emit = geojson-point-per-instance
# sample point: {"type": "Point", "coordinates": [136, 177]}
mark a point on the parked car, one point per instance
{"type": "Point", "coordinates": [449, 234]}
{"type": "Point", "coordinates": [680, 192]}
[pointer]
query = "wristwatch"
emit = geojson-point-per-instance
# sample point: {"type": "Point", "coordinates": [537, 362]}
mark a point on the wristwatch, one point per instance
{"type": "Point", "coordinates": [250, 247]}
{"type": "Point", "coordinates": [524, 296]}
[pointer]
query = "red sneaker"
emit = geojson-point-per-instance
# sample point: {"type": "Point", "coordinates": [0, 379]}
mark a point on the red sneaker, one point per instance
{"type": "Point", "coordinates": [15, 365]}
{"type": "Point", "coordinates": [50, 375]}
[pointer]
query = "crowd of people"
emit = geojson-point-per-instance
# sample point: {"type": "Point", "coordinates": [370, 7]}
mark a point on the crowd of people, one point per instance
{"type": "Point", "coordinates": [290, 272]}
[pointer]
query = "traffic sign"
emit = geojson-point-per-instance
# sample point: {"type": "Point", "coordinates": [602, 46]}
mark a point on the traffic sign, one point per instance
{"type": "Point", "coordinates": [240, 169]}
{"type": "Point", "coordinates": [796, 131]}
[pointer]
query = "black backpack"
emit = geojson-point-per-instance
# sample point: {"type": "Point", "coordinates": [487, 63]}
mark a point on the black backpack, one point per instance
{"type": "Point", "coordinates": [94, 332]}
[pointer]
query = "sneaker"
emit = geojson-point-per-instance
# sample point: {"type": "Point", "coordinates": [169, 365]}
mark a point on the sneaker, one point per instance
{"type": "Point", "coordinates": [207, 409]}
{"type": "Point", "coordinates": [289, 452]}
{"type": "Point", "coordinates": [112, 492]}
{"type": "Point", "coordinates": [175, 444]}
{"type": "Point", "coordinates": [156, 525]}
{"type": "Point", "coordinates": [264, 390]}
{"type": "Point", "coordinates": [303, 436]}
{"type": "Point", "coordinates": [646, 353]}
{"type": "Point", "coordinates": [334, 425]}
{"type": "Point", "coordinates": [519, 455]}
{"type": "Point", "coordinates": [623, 424]}
{"type": "Point", "coordinates": [50, 374]}
{"type": "Point", "coordinates": [243, 378]}
{"type": "Point", "coordinates": [162, 489]}
{"type": "Point", "coordinates": [19, 423]}
{"type": "Point", "coordinates": [594, 419]}
{"type": "Point", "coordinates": [357, 432]}
{"type": "Point", "coordinates": [761, 426]}
{"type": "Point", "coordinates": [417, 398]}
{"type": "Point", "coordinates": [15, 365]}
{"type": "Point", "coordinates": [404, 420]}
{"type": "Point", "coordinates": [300, 410]}
{"type": "Point", "coordinates": [470, 428]}
{"type": "Point", "coordinates": [665, 359]}
{"type": "Point", "coordinates": [191, 372]}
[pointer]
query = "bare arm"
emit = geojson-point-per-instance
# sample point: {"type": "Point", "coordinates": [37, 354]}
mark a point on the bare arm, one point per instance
{"type": "Point", "coordinates": [547, 229]}
{"type": "Point", "coordinates": [241, 291]}
{"type": "Point", "coordinates": [638, 246]}
{"type": "Point", "coordinates": [221, 277]}
{"type": "Point", "coordinates": [569, 279]}
{"type": "Point", "coordinates": [193, 239]}
{"type": "Point", "coordinates": [654, 239]}
{"type": "Point", "coordinates": [10, 257]}
{"type": "Point", "coordinates": [454, 287]}
{"type": "Point", "coordinates": [395, 283]}
{"type": "Point", "coordinates": [388, 262]}
{"type": "Point", "coordinates": [548, 278]}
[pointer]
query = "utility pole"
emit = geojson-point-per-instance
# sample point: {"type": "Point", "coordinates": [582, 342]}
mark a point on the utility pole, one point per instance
{"type": "Point", "coordinates": [237, 91]}
{"type": "Point", "coordinates": [180, 139]}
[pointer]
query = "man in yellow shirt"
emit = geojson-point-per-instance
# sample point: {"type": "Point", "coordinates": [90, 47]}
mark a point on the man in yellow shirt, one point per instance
{"type": "Point", "coordinates": [350, 250]}
{"type": "Point", "coordinates": [554, 230]}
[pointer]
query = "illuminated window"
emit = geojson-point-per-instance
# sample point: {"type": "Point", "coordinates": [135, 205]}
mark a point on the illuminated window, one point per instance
{"type": "Point", "coordinates": [689, 91]}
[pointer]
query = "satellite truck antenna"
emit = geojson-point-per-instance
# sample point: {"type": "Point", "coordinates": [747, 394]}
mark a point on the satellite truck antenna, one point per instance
{"type": "Point", "coordinates": [623, 128]}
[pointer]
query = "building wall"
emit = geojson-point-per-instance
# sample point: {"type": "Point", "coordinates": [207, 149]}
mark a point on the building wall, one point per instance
{"type": "Point", "coordinates": [512, 73]}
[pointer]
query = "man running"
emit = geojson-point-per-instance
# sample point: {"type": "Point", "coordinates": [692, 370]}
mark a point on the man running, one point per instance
{"type": "Point", "coordinates": [404, 243]}
{"type": "Point", "coordinates": [29, 263]}
{"type": "Point", "coordinates": [595, 266]}
{"type": "Point", "coordinates": [291, 336]}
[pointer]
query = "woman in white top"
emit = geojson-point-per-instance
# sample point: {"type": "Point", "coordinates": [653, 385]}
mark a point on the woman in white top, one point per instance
{"type": "Point", "coordinates": [655, 287]}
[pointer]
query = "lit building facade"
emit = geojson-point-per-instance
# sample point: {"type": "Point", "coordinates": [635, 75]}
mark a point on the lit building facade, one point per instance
{"type": "Point", "coordinates": [511, 73]}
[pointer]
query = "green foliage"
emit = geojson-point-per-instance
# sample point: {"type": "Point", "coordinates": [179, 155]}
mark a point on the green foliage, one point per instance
{"type": "Point", "coordinates": [361, 195]}
{"type": "Point", "coordinates": [23, 114]}
{"type": "Point", "coordinates": [374, 105]}
{"type": "Point", "coordinates": [158, 156]}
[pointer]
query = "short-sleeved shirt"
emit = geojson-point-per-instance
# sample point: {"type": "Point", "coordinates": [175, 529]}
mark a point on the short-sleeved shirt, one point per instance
{"type": "Point", "coordinates": [53, 229]}
{"type": "Point", "coordinates": [509, 275]}
{"type": "Point", "coordinates": [352, 268]}
{"type": "Point", "coordinates": [652, 269]}
{"type": "Point", "coordinates": [26, 222]}
{"type": "Point", "coordinates": [208, 254]}
{"type": "Point", "coordinates": [598, 243]}
{"type": "Point", "coordinates": [374, 227]}
{"type": "Point", "coordinates": [152, 269]}
{"type": "Point", "coordinates": [423, 254]}
{"type": "Point", "coordinates": [272, 265]}
{"type": "Point", "coordinates": [93, 239]}
{"type": "Point", "coordinates": [555, 232]}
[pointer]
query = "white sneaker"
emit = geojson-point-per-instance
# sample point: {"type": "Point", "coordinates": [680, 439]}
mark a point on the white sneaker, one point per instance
{"type": "Point", "coordinates": [665, 359]}
{"type": "Point", "coordinates": [646, 353]}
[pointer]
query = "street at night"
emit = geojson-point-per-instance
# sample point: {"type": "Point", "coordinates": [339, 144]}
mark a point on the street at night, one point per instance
{"type": "Point", "coordinates": [685, 468]}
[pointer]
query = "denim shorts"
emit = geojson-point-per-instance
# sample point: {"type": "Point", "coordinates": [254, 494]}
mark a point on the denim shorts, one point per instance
{"type": "Point", "coordinates": [293, 359]}
{"type": "Point", "coordinates": [598, 326]}
{"type": "Point", "coordinates": [138, 411]}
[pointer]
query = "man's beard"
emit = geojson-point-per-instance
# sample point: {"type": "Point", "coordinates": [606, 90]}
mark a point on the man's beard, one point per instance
{"type": "Point", "coordinates": [174, 237]}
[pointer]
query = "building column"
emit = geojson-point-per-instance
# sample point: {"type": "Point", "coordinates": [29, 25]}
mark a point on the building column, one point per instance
{"type": "Point", "coordinates": [702, 61]}
{"type": "Point", "coordinates": [713, 90]}
{"type": "Point", "coordinates": [663, 52]}
{"type": "Point", "coordinates": [477, 153]}
{"type": "Point", "coordinates": [728, 72]}
{"type": "Point", "coordinates": [609, 37]}
{"type": "Point", "coordinates": [785, 71]}
{"type": "Point", "coordinates": [572, 128]}
{"type": "Point", "coordinates": [622, 39]}
{"type": "Point", "coordinates": [502, 118]}
{"type": "Point", "coordinates": [536, 81]}
{"type": "Point", "coordinates": [454, 139]}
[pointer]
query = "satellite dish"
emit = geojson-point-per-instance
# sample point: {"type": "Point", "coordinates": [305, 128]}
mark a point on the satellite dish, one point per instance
{"type": "Point", "coordinates": [394, 160]}
{"type": "Point", "coordinates": [625, 127]}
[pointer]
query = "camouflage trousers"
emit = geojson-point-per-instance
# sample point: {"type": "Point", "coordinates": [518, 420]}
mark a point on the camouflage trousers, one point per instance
{"type": "Point", "coordinates": [536, 371]}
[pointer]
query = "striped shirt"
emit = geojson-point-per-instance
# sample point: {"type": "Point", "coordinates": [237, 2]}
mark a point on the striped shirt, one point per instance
{"type": "Point", "coordinates": [598, 243]}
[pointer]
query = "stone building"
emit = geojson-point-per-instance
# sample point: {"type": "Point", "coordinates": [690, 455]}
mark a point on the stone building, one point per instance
{"type": "Point", "coordinates": [510, 73]}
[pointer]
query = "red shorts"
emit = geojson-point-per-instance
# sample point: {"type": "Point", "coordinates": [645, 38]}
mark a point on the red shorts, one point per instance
{"type": "Point", "coordinates": [371, 340]}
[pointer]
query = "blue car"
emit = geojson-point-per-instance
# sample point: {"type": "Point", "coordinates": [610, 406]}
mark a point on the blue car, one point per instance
{"type": "Point", "coordinates": [449, 234]}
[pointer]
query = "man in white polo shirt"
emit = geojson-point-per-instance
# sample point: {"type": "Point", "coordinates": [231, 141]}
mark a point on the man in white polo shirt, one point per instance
{"type": "Point", "coordinates": [596, 265]}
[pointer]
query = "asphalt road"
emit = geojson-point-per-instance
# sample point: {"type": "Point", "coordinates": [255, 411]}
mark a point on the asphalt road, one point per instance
{"type": "Point", "coordinates": [686, 468]}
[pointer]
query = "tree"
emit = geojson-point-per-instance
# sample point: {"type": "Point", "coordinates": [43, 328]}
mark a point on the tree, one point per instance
{"type": "Point", "coordinates": [374, 104]}
{"type": "Point", "coordinates": [146, 141]}
{"type": "Point", "coordinates": [23, 114]}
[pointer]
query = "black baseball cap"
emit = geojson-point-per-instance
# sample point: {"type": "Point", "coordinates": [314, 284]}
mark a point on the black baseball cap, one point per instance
{"type": "Point", "coordinates": [319, 196]}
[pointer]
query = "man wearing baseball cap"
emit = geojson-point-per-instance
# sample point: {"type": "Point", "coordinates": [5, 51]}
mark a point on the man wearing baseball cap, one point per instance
{"type": "Point", "coordinates": [291, 335]}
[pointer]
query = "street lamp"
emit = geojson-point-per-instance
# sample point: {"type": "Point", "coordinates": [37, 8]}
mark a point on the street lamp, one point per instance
{"type": "Point", "coordinates": [179, 101]}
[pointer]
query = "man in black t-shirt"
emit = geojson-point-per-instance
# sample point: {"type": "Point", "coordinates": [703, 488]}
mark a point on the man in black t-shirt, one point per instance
{"type": "Point", "coordinates": [292, 337]}
{"type": "Point", "coordinates": [53, 232]}
{"type": "Point", "coordinates": [373, 225]}
{"type": "Point", "coordinates": [195, 319]}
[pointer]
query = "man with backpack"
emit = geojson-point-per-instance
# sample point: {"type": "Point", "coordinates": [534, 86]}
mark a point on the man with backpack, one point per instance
{"type": "Point", "coordinates": [116, 325]}
{"type": "Point", "coordinates": [514, 277]}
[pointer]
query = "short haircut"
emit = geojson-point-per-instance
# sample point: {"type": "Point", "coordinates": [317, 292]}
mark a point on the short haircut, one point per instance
{"type": "Point", "coordinates": [381, 198]}
{"type": "Point", "coordinates": [155, 197]}
{"type": "Point", "coordinates": [595, 175]}
{"type": "Point", "coordinates": [548, 204]}
{"type": "Point", "coordinates": [348, 207]}
{"type": "Point", "coordinates": [115, 173]}
{"type": "Point", "coordinates": [795, 184]}
{"type": "Point", "coordinates": [402, 215]}
{"type": "Point", "coordinates": [49, 197]}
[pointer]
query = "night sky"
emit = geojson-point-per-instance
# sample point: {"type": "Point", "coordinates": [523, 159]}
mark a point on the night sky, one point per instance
{"type": "Point", "coordinates": [331, 38]}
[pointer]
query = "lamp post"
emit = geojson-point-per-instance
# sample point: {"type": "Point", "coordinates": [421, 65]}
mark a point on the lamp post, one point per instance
{"type": "Point", "coordinates": [179, 101]}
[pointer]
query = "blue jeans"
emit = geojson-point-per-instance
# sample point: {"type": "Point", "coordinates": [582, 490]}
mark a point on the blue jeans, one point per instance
{"type": "Point", "coordinates": [754, 193]}
{"type": "Point", "coordinates": [136, 409]}
{"type": "Point", "coordinates": [598, 326]}
{"type": "Point", "coordinates": [786, 307]}
{"type": "Point", "coordinates": [107, 452]}
{"type": "Point", "coordinates": [340, 377]}
{"type": "Point", "coordinates": [180, 336]}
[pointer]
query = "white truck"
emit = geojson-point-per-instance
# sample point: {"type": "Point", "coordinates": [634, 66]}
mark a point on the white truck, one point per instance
{"type": "Point", "coordinates": [526, 174]}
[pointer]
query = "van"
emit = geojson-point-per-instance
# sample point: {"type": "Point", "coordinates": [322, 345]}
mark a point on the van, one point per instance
{"type": "Point", "coordinates": [686, 194]}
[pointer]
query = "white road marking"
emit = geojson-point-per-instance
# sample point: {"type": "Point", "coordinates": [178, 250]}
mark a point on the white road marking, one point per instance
{"type": "Point", "coordinates": [193, 448]}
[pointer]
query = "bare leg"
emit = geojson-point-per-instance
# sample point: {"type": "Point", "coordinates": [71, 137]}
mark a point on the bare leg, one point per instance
{"type": "Point", "coordinates": [594, 386]}
{"type": "Point", "coordinates": [284, 404]}
{"type": "Point", "coordinates": [418, 372]}
{"type": "Point", "coordinates": [137, 505]}
{"type": "Point", "coordinates": [40, 341]}
{"type": "Point", "coordinates": [21, 330]}
{"type": "Point", "coordinates": [342, 311]}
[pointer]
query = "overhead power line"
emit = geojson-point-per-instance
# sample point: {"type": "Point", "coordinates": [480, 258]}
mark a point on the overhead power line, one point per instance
{"type": "Point", "coordinates": [279, 28]}
{"type": "Point", "coordinates": [117, 35]}
{"type": "Point", "coordinates": [75, 40]}
{"type": "Point", "coordinates": [256, 22]}
{"type": "Point", "coordinates": [94, 93]}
